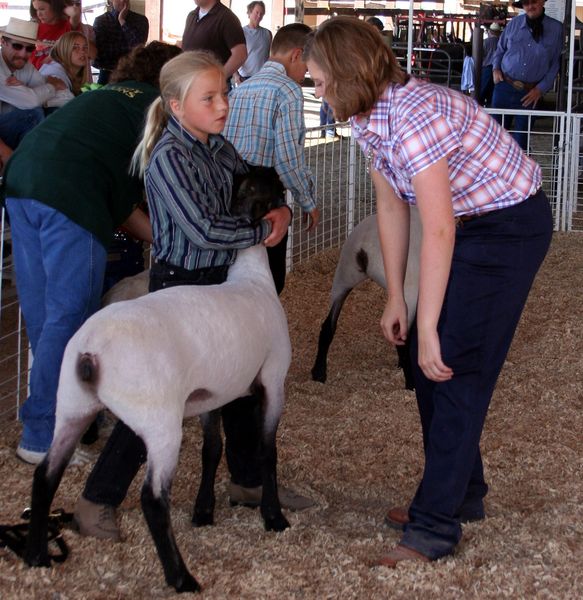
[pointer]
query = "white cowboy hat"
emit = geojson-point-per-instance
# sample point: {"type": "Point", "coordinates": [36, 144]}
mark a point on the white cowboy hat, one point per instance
{"type": "Point", "coordinates": [495, 27]}
{"type": "Point", "coordinates": [20, 30]}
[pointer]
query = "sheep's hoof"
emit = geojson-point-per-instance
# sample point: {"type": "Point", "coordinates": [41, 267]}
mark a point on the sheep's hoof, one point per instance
{"type": "Point", "coordinates": [37, 559]}
{"type": "Point", "coordinates": [276, 523]}
{"type": "Point", "coordinates": [319, 374]}
{"type": "Point", "coordinates": [186, 583]}
{"type": "Point", "coordinates": [202, 519]}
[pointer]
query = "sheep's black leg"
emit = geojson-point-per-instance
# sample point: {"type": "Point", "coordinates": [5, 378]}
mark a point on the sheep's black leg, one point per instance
{"type": "Point", "coordinates": [212, 450]}
{"type": "Point", "coordinates": [404, 353]}
{"type": "Point", "coordinates": [327, 331]}
{"type": "Point", "coordinates": [270, 507]}
{"type": "Point", "coordinates": [157, 513]}
{"type": "Point", "coordinates": [47, 477]}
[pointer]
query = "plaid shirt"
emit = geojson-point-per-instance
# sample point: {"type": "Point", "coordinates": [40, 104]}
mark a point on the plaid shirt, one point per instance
{"type": "Point", "coordinates": [188, 186]}
{"type": "Point", "coordinates": [266, 125]}
{"type": "Point", "coordinates": [413, 126]}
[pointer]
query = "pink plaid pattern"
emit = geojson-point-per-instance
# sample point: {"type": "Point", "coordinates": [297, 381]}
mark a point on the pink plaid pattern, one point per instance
{"type": "Point", "coordinates": [413, 126]}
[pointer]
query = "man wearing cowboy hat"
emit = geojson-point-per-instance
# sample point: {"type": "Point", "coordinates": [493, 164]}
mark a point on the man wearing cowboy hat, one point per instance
{"type": "Point", "coordinates": [488, 49]}
{"type": "Point", "coordinates": [526, 63]}
{"type": "Point", "coordinates": [23, 90]}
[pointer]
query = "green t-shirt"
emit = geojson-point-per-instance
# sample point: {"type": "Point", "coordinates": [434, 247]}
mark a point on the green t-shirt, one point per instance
{"type": "Point", "coordinates": [77, 160]}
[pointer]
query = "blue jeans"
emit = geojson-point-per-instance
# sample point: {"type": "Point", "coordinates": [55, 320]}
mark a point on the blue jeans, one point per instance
{"type": "Point", "coordinates": [327, 118]}
{"type": "Point", "coordinates": [16, 123]}
{"type": "Point", "coordinates": [496, 258]}
{"type": "Point", "coordinates": [505, 96]}
{"type": "Point", "coordinates": [59, 275]}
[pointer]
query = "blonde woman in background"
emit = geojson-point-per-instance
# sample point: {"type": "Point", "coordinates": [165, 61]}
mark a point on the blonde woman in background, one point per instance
{"type": "Point", "coordinates": [69, 64]}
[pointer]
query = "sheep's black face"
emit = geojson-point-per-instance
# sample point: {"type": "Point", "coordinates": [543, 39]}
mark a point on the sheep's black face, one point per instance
{"type": "Point", "coordinates": [256, 193]}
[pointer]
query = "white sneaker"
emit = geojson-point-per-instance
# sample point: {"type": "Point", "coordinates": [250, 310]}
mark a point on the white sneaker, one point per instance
{"type": "Point", "coordinates": [30, 456]}
{"type": "Point", "coordinates": [79, 458]}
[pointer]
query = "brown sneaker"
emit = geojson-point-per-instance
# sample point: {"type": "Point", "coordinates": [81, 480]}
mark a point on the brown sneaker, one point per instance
{"type": "Point", "coordinates": [96, 520]}
{"type": "Point", "coordinates": [251, 497]}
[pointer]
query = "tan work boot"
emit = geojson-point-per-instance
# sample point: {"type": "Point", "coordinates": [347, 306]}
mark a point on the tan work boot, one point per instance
{"type": "Point", "coordinates": [96, 520]}
{"type": "Point", "coordinates": [251, 497]}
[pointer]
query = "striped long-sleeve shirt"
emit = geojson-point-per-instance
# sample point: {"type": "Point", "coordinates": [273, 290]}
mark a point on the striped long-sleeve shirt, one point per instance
{"type": "Point", "coordinates": [189, 186]}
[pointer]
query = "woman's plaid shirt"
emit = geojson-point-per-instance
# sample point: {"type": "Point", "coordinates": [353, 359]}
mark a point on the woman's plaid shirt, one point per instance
{"type": "Point", "coordinates": [412, 126]}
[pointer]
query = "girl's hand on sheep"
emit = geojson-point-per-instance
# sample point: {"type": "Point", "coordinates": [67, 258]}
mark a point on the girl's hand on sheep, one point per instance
{"type": "Point", "coordinates": [394, 321]}
{"type": "Point", "coordinates": [280, 218]}
{"type": "Point", "coordinates": [429, 356]}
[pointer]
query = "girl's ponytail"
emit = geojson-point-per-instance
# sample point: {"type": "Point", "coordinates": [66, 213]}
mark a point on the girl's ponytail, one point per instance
{"type": "Point", "coordinates": [156, 120]}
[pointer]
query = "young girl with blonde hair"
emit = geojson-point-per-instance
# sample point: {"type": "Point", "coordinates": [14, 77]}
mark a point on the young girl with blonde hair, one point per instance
{"type": "Point", "coordinates": [69, 63]}
{"type": "Point", "coordinates": [486, 228]}
{"type": "Point", "coordinates": [188, 168]}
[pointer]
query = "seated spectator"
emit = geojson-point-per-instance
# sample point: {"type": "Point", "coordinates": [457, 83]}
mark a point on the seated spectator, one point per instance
{"type": "Point", "coordinates": [69, 64]}
{"type": "Point", "coordinates": [23, 90]}
{"type": "Point", "coordinates": [53, 22]}
{"type": "Point", "coordinates": [116, 33]}
{"type": "Point", "coordinates": [87, 30]}
{"type": "Point", "coordinates": [257, 40]}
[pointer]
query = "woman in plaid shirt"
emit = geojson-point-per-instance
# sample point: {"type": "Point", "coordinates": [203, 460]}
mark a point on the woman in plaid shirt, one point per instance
{"type": "Point", "coordinates": [487, 226]}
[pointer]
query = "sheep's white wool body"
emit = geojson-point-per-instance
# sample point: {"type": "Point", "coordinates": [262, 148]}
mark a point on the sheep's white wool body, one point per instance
{"type": "Point", "coordinates": [181, 352]}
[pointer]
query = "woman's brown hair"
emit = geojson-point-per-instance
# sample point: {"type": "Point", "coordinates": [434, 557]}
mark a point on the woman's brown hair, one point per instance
{"type": "Point", "coordinates": [144, 63]}
{"type": "Point", "coordinates": [356, 62]}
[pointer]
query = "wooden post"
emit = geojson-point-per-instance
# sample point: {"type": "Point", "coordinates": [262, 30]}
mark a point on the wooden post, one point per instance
{"type": "Point", "coordinates": [154, 11]}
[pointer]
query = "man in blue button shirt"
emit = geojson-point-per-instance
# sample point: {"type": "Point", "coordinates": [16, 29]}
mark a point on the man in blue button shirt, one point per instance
{"type": "Point", "coordinates": [526, 63]}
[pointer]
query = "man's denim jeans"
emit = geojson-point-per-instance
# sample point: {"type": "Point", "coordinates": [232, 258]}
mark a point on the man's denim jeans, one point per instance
{"type": "Point", "coordinates": [16, 123]}
{"type": "Point", "coordinates": [59, 276]}
{"type": "Point", "coordinates": [505, 96]}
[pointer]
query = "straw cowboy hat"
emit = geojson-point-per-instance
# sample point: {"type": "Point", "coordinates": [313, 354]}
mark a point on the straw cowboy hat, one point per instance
{"type": "Point", "coordinates": [20, 31]}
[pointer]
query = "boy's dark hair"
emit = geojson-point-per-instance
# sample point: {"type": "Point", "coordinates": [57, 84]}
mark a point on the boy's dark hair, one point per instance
{"type": "Point", "coordinates": [143, 63]}
{"type": "Point", "coordinates": [375, 22]}
{"type": "Point", "coordinates": [289, 37]}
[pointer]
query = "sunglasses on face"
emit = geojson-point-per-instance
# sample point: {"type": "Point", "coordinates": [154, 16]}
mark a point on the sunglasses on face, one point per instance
{"type": "Point", "coordinates": [18, 46]}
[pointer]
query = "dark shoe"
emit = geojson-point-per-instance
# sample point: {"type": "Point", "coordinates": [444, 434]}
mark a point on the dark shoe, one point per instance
{"type": "Point", "coordinates": [251, 497]}
{"type": "Point", "coordinates": [398, 516]}
{"type": "Point", "coordinates": [399, 554]}
{"type": "Point", "coordinates": [96, 520]}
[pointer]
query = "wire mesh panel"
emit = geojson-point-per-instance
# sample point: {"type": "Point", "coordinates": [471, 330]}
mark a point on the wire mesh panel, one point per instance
{"type": "Point", "coordinates": [548, 136]}
{"type": "Point", "coordinates": [13, 343]}
{"type": "Point", "coordinates": [573, 205]}
{"type": "Point", "coordinates": [343, 190]}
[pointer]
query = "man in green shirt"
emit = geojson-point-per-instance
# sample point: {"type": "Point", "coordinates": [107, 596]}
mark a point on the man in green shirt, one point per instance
{"type": "Point", "coordinates": [67, 188]}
